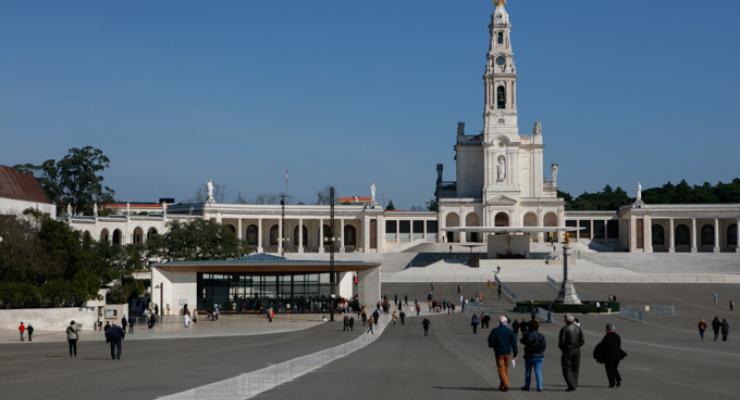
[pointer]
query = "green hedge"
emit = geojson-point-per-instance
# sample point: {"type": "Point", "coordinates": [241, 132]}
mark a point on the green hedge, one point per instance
{"type": "Point", "coordinates": [585, 307]}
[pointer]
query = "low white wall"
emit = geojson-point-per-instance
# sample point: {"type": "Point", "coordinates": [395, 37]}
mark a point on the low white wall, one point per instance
{"type": "Point", "coordinates": [508, 244]}
{"type": "Point", "coordinates": [14, 206]}
{"type": "Point", "coordinates": [48, 319]}
{"type": "Point", "coordinates": [368, 287]}
{"type": "Point", "coordinates": [180, 288]}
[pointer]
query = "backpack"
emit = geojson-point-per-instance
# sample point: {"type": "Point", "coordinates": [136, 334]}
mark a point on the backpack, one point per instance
{"type": "Point", "coordinates": [538, 343]}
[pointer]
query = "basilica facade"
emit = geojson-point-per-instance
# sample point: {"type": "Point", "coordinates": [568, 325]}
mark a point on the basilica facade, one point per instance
{"type": "Point", "coordinates": [500, 181]}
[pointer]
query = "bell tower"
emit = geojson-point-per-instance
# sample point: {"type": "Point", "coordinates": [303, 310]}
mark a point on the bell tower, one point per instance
{"type": "Point", "coordinates": [500, 115]}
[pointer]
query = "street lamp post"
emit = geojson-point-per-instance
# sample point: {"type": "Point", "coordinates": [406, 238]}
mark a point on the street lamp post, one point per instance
{"type": "Point", "coordinates": [332, 280]}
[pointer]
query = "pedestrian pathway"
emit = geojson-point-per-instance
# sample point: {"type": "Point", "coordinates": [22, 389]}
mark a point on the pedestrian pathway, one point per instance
{"type": "Point", "coordinates": [251, 384]}
{"type": "Point", "coordinates": [237, 325]}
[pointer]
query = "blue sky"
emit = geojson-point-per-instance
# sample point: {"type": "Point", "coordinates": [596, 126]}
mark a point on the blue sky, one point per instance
{"type": "Point", "coordinates": [348, 92]}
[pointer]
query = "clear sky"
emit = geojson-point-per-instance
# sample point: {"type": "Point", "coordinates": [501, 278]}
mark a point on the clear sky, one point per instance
{"type": "Point", "coordinates": [348, 92]}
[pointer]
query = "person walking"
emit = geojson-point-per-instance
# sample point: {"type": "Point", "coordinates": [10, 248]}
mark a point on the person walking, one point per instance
{"type": "Point", "coordinates": [376, 317]}
{"type": "Point", "coordinates": [114, 336]}
{"type": "Point", "coordinates": [402, 315]}
{"type": "Point", "coordinates": [609, 352]}
{"type": "Point", "coordinates": [702, 327]}
{"type": "Point", "coordinates": [716, 324]}
{"type": "Point", "coordinates": [570, 341]}
{"type": "Point", "coordinates": [732, 305]}
{"type": "Point", "coordinates": [425, 324]}
{"type": "Point", "coordinates": [485, 321]}
{"type": "Point", "coordinates": [515, 327]}
{"type": "Point", "coordinates": [474, 323]}
{"type": "Point", "coordinates": [715, 297]}
{"type": "Point", "coordinates": [394, 317]}
{"type": "Point", "coordinates": [22, 329]}
{"type": "Point", "coordinates": [72, 337]}
{"type": "Point", "coordinates": [503, 342]}
{"type": "Point", "coordinates": [370, 323]}
{"type": "Point", "coordinates": [29, 329]}
{"type": "Point", "coordinates": [418, 309]}
{"type": "Point", "coordinates": [124, 323]}
{"type": "Point", "coordinates": [534, 353]}
{"type": "Point", "coordinates": [131, 322]}
{"type": "Point", "coordinates": [725, 329]}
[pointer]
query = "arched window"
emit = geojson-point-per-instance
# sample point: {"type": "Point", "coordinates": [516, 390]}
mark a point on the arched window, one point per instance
{"type": "Point", "coordinates": [501, 97]}
{"type": "Point", "coordinates": [274, 234]}
{"type": "Point", "coordinates": [707, 235]}
{"type": "Point", "coordinates": [252, 235]}
{"type": "Point", "coordinates": [732, 235]}
{"type": "Point", "coordinates": [151, 232]}
{"type": "Point", "coordinates": [104, 236]}
{"type": "Point", "coordinates": [117, 237]}
{"type": "Point", "coordinates": [138, 236]}
{"type": "Point", "coordinates": [683, 235]}
{"type": "Point", "coordinates": [500, 38]}
{"type": "Point", "coordinates": [327, 234]}
{"type": "Point", "coordinates": [501, 219]}
{"type": "Point", "coordinates": [658, 235]}
{"type": "Point", "coordinates": [295, 235]}
{"type": "Point", "coordinates": [473, 219]}
{"type": "Point", "coordinates": [452, 220]}
{"type": "Point", "coordinates": [350, 235]}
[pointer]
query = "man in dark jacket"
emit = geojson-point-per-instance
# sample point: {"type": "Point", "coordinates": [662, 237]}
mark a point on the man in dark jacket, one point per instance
{"type": "Point", "coordinates": [503, 342]}
{"type": "Point", "coordinates": [610, 352]}
{"type": "Point", "coordinates": [570, 342]}
{"type": "Point", "coordinates": [534, 353]}
{"type": "Point", "coordinates": [425, 324]}
{"type": "Point", "coordinates": [715, 327]}
{"type": "Point", "coordinates": [114, 336]}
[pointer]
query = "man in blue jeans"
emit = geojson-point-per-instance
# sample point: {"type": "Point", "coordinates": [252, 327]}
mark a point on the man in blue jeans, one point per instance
{"type": "Point", "coordinates": [534, 353]}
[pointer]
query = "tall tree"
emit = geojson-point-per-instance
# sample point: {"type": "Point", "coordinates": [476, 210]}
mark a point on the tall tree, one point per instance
{"type": "Point", "coordinates": [75, 179]}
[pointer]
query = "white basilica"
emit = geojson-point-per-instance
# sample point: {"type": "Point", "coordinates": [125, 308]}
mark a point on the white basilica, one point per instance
{"type": "Point", "coordinates": [499, 182]}
{"type": "Point", "coordinates": [500, 173]}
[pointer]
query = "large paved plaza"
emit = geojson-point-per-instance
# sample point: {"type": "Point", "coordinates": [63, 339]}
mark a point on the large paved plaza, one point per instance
{"type": "Point", "coordinates": [666, 359]}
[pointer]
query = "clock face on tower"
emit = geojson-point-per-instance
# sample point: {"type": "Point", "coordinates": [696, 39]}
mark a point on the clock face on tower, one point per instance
{"type": "Point", "coordinates": [500, 60]}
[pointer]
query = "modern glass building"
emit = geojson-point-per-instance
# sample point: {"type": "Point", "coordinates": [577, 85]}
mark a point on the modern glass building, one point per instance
{"type": "Point", "coordinates": [256, 282]}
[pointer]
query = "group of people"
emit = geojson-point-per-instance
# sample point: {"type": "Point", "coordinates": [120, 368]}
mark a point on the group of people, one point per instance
{"type": "Point", "coordinates": [718, 326]}
{"type": "Point", "coordinates": [114, 335]}
{"type": "Point", "coordinates": [26, 329]}
{"type": "Point", "coordinates": [504, 342]}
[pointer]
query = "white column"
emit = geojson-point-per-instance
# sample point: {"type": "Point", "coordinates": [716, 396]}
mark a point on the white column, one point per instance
{"type": "Point", "coordinates": [239, 229]}
{"type": "Point", "coordinates": [411, 230]}
{"type": "Point", "coordinates": [647, 226]}
{"type": "Point", "coordinates": [591, 233]}
{"type": "Point", "coordinates": [366, 234]}
{"type": "Point", "coordinates": [300, 235]}
{"type": "Point", "coordinates": [578, 230]}
{"type": "Point", "coordinates": [260, 249]}
{"type": "Point", "coordinates": [424, 235]}
{"type": "Point", "coordinates": [281, 240]}
{"type": "Point", "coordinates": [380, 234]}
{"type": "Point", "coordinates": [716, 236]}
{"type": "Point", "coordinates": [606, 231]}
{"type": "Point", "coordinates": [341, 235]}
{"type": "Point", "coordinates": [321, 235]}
{"type": "Point", "coordinates": [694, 249]}
{"type": "Point", "coordinates": [633, 234]}
{"type": "Point", "coordinates": [671, 236]}
{"type": "Point", "coordinates": [398, 230]}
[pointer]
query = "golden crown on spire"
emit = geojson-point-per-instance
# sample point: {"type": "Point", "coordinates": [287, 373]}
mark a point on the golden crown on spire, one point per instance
{"type": "Point", "coordinates": [499, 3]}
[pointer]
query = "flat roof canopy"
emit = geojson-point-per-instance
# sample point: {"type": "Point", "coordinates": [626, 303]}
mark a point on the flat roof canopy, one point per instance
{"type": "Point", "coordinates": [512, 229]}
{"type": "Point", "coordinates": [264, 263]}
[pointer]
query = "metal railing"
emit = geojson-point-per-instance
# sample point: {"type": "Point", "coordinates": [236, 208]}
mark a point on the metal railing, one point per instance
{"type": "Point", "coordinates": [507, 291]}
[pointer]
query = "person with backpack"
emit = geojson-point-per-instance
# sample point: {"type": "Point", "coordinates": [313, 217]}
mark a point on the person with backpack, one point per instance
{"type": "Point", "coordinates": [474, 323]}
{"type": "Point", "coordinates": [725, 329]}
{"type": "Point", "coordinates": [29, 329]}
{"type": "Point", "coordinates": [534, 353]}
{"type": "Point", "coordinates": [72, 336]}
{"type": "Point", "coordinates": [609, 352]}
